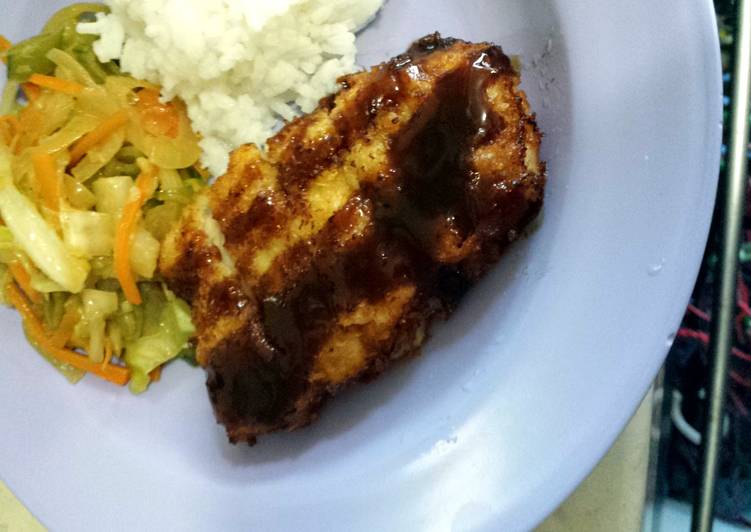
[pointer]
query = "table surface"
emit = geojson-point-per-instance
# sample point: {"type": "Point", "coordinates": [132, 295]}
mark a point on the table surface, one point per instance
{"type": "Point", "coordinates": [614, 494]}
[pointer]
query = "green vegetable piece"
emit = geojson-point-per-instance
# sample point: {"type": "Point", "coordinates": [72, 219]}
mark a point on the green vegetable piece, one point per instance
{"type": "Point", "coordinates": [69, 16]}
{"type": "Point", "coordinates": [98, 305]}
{"type": "Point", "coordinates": [119, 168]}
{"type": "Point", "coordinates": [8, 249]}
{"type": "Point", "coordinates": [9, 98]}
{"type": "Point", "coordinates": [123, 164]}
{"type": "Point", "coordinates": [30, 56]}
{"type": "Point", "coordinates": [130, 323]}
{"type": "Point", "coordinates": [162, 218]}
{"type": "Point", "coordinates": [54, 308]}
{"type": "Point", "coordinates": [81, 48]}
{"type": "Point", "coordinates": [167, 342]}
{"type": "Point", "coordinates": [189, 356]}
{"type": "Point", "coordinates": [102, 268]}
{"type": "Point", "coordinates": [108, 285]}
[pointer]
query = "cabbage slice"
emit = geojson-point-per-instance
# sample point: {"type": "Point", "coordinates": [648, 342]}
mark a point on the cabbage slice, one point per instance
{"type": "Point", "coordinates": [164, 342]}
{"type": "Point", "coordinates": [35, 236]}
{"type": "Point", "coordinates": [112, 193]}
{"type": "Point", "coordinates": [88, 233]}
{"type": "Point", "coordinates": [98, 305]}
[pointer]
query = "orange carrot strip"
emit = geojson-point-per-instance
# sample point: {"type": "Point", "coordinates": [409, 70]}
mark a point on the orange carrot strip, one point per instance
{"type": "Point", "coordinates": [12, 120]}
{"type": "Point", "coordinates": [156, 374]}
{"type": "Point", "coordinates": [22, 277]}
{"type": "Point", "coordinates": [5, 45]}
{"type": "Point", "coordinates": [99, 135]}
{"type": "Point", "coordinates": [9, 127]}
{"type": "Point", "coordinates": [32, 92]}
{"type": "Point", "coordinates": [39, 335]}
{"type": "Point", "coordinates": [31, 119]}
{"type": "Point", "coordinates": [145, 184]}
{"type": "Point", "coordinates": [64, 331]}
{"type": "Point", "coordinates": [157, 118]}
{"type": "Point", "coordinates": [56, 84]}
{"type": "Point", "coordinates": [48, 179]}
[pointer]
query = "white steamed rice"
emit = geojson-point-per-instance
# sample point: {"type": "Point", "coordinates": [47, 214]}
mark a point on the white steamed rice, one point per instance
{"type": "Point", "coordinates": [240, 65]}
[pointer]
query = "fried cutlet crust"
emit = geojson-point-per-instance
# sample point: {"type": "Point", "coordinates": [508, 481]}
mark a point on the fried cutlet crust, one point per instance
{"type": "Point", "coordinates": [325, 259]}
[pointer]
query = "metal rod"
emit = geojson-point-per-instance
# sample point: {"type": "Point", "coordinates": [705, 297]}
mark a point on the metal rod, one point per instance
{"type": "Point", "coordinates": [732, 209]}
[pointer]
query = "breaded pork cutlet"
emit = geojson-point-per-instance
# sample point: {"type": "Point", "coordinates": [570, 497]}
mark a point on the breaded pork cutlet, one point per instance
{"type": "Point", "coordinates": [325, 259]}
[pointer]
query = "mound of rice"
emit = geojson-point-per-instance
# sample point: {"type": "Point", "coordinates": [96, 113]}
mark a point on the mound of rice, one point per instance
{"type": "Point", "coordinates": [241, 66]}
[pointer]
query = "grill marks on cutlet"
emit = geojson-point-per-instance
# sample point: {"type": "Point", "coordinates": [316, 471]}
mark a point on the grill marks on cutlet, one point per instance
{"type": "Point", "coordinates": [195, 256]}
{"type": "Point", "coordinates": [388, 89]}
{"type": "Point", "coordinates": [297, 306]}
{"type": "Point", "coordinates": [247, 202]}
{"type": "Point", "coordinates": [253, 228]}
{"type": "Point", "coordinates": [304, 159]}
{"type": "Point", "coordinates": [310, 157]}
{"type": "Point", "coordinates": [388, 235]}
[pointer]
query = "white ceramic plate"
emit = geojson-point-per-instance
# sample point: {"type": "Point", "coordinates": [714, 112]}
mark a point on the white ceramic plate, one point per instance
{"type": "Point", "coordinates": [518, 396]}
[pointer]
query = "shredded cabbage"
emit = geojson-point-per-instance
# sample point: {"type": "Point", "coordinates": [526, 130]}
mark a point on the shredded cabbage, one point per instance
{"type": "Point", "coordinates": [144, 253]}
{"type": "Point", "coordinates": [98, 157]}
{"type": "Point", "coordinates": [88, 233]}
{"type": "Point", "coordinates": [79, 196]}
{"type": "Point", "coordinates": [35, 236]}
{"type": "Point", "coordinates": [98, 305]}
{"type": "Point", "coordinates": [8, 102]}
{"type": "Point", "coordinates": [8, 248]}
{"type": "Point", "coordinates": [58, 229]}
{"type": "Point", "coordinates": [170, 336]}
{"type": "Point", "coordinates": [112, 193]}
